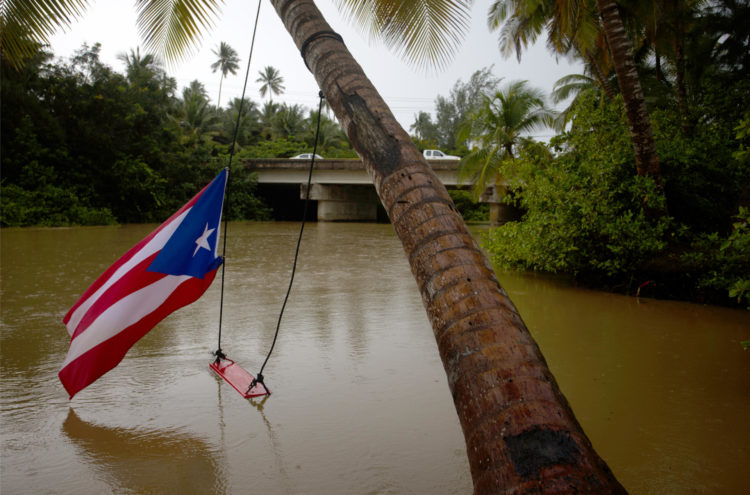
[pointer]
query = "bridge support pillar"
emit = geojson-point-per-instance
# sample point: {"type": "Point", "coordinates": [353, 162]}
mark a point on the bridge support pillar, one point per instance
{"type": "Point", "coordinates": [342, 203]}
{"type": "Point", "coordinates": [500, 212]}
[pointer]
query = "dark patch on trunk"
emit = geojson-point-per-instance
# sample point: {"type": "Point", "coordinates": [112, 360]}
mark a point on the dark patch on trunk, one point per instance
{"type": "Point", "coordinates": [536, 449]}
{"type": "Point", "coordinates": [369, 137]}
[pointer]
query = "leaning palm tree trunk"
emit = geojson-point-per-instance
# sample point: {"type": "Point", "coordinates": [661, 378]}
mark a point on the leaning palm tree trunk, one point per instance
{"type": "Point", "coordinates": [521, 435]}
{"type": "Point", "coordinates": [641, 134]}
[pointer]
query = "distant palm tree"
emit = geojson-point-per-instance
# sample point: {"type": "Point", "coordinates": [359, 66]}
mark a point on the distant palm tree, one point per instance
{"type": "Point", "coordinates": [497, 125]}
{"type": "Point", "coordinates": [227, 62]}
{"type": "Point", "coordinates": [572, 86]}
{"type": "Point", "coordinates": [247, 125]}
{"type": "Point", "coordinates": [194, 115]}
{"type": "Point", "coordinates": [139, 68]}
{"type": "Point", "coordinates": [288, 122]}
{"type": "Point", "coordinates": [273, 83]}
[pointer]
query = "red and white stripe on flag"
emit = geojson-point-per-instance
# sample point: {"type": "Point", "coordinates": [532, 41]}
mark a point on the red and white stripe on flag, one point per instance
{"type": "Point", "coordinates": [125, 302]}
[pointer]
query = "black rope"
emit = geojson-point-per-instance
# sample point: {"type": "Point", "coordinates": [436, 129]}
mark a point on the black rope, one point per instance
{"type": "Point", "coordinates": [313, 37]}
{"type": "Point", "coordinates": [259, 376]}
{"type": "Point", "coordinates": [219, 354]}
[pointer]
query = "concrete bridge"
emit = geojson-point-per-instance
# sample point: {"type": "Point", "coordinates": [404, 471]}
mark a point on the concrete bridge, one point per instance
{"type": "Point", "coordinates": [342, 188]}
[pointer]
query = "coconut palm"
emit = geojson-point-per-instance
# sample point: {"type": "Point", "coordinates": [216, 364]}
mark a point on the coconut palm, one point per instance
{"type": "Point", "coordinates": [641, 133]}
{"type": "Point", "coordinates": [521, 434]}
{"type": "Point", "coordinates": [507, 401]}
{"type": "Point", "coordinates": [497, 127]}
{"type": "Point", "coordinates": [574, 25]}
{"type": "Point", "coordinates": [272, 82]}
{"type": "Point", "coordinates": [329, 132]}
{"type": "Point", "coordinates": [139, 68]}
{"type": "Point", "coordinates": [194, 115]}
{"type": "Point", "coordinates": [288, 122]}
{"type": "Point", "coordinates": [228, 62]}
{"type": "Point", "coordinates": [247, 126]}
{"type": "Point", "coordinates": [573, 86]}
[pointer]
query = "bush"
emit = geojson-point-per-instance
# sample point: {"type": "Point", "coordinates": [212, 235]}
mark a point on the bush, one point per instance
{"type": "Point", "coordinates": [470, 210]}
{"type": "Point", "coordinates": [584, 213]}
{"type": "Point", "coordinates": [723, 263]}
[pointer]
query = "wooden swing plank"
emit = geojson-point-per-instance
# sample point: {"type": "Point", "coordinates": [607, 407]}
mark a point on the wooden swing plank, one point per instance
{"type": "Point", "coordinates": [238, 378]}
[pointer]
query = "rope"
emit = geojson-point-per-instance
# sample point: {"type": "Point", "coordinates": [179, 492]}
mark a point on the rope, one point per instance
{"type": "Point", "coordinates": [259, 376]}
{"type": "Point", "coordinates": [219, 354]}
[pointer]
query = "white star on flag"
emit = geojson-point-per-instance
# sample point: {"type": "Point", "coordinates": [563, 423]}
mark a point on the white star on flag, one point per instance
{"type": "Point", "coordinates": [202, 241]}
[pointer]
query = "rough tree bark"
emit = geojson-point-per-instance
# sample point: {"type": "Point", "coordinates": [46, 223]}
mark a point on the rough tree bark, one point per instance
{"type": "Point", "coordinates": [521, 435]}
{"type": "Point", "coordinates": [646, 159]}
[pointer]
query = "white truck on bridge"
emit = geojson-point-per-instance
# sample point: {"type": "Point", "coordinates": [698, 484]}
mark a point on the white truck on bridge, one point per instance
{"type": "Point", "coordinates": [438, 155]}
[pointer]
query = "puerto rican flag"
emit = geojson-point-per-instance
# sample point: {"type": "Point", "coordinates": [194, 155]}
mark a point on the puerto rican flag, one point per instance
{"type": "Point", "coordinates": [171, 268]}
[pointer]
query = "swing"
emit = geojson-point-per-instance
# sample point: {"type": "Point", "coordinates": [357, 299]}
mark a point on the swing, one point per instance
{"type": "Point", "coordinates": [241, 380]}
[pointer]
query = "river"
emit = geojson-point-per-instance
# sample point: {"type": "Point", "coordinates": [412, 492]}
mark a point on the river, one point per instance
{"type": "Point", "coordinates": [360, 401]}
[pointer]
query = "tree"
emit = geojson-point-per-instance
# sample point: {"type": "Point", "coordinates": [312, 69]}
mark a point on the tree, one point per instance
{"type": "Point", "coordinates": [228, 62]}
{"type": "Point", "coordinates": [641, 133]}
{"type": "Point", "coordinates": [497, 126]}
{"type": "Point", "coordinates": [194, 115]}
{"type": "Point", "coordinates": [572, 85]}
{"type": "Point", "coordinates": [520, 432]}
{"type": "Point", "coordinates": [248, 125]}
{"type": "Point", "coordinates": [463, 97]}
{"type": "Point", "coordinates": [571, 25]}
{"type": "Point", "coordinates": [288, 122]}
{"type": "Point", "coordinates": [424, 128]}
{"type": "Point", "coordinates": [490, 358]}
{"type": "Point", "coordinates": [139, 69]}
{"type": "Point", "coordinates": [273, 83]}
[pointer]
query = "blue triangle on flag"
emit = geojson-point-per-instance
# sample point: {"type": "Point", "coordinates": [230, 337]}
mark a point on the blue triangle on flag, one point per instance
{"type": "Point", "coordinates": [192, 249]}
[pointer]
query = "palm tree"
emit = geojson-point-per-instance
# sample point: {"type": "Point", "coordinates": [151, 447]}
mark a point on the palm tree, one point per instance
{"type": "Point", "coordinates": [273, 83]}
{"type": "Point", "coordinates": [641, 133]}
{"type": "Point", "coordinates": [329, 133]}
{"type": "Point", "coordinates": [288, 122]}
{"type": "Point", "coordinates": [572, 25]}
{"type": "Point", "coordinates": [248, 124]}
{"type": "Point", "coordinates": [139, 68]}
{"type": "Point", "coordinates": [521, 435]}
{"type": "Point", "coordinates": [520, 432]}
{"type": "Point", "coordinates": [194, 115]}
{"type": "Point", "coordinates": [228, 62]}
{"type": "Point", "coordinates": [497, 126]}
{"type": "Point", "coordinates": [573, 85]}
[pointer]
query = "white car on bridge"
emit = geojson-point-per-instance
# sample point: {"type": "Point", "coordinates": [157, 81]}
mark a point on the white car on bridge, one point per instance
{"type": "Point", "coordinates": [306, 156]}
{"type": "Point", "coordinates": [438, 155]}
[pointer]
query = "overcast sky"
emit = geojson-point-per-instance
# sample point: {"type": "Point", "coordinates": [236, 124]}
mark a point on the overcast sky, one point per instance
{"type": "Point", "coordinates": [406, 89]}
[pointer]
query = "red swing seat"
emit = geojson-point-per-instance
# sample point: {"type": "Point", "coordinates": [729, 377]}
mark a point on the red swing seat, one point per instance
{"type": "Point", "coordinates": [238, 378]}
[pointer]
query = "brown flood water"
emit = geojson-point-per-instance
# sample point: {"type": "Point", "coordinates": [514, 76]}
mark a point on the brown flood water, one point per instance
{"type": "Point", "coordinates": [360, 403]}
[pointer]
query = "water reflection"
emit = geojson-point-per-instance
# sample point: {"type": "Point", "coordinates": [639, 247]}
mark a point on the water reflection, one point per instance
{"type": "Point", "coordinates": [145, 461]}
{"type": "Point", "coordinates": [361, 403]}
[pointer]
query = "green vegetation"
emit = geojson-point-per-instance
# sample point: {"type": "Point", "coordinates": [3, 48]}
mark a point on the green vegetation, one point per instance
{"type": "Point", "coordinates": [669, 221]}
{"type": "Point", "coordinates": [83, 144]}
{"type": "Point", "coordinates": [587, 211]}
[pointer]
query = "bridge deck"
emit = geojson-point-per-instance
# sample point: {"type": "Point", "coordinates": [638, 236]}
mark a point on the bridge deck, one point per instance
{"type": "Point", "coordinates": [333, 171]}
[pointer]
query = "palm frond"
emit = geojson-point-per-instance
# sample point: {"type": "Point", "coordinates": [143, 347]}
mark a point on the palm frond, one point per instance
{"type": "Point", "coordinates": [27, 24]}
{"type": "Point", "coordinates": [173, 28]}
{"type": "Point", "coordinates": [427, 33]}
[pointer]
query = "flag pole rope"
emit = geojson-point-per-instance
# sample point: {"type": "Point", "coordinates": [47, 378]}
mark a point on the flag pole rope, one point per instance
{"type": "Point", "coordinates": [259, 377]}
{"type": "Point", "coordinates": [219, 354]}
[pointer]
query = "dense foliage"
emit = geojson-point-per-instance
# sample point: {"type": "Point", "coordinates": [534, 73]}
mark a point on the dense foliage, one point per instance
{"type": "Point", "coordinates": [590, 209]}
{"type": "Point", "coordinates": [586, 210]}
{"type": "Point", "coordinates": [83, 144]}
